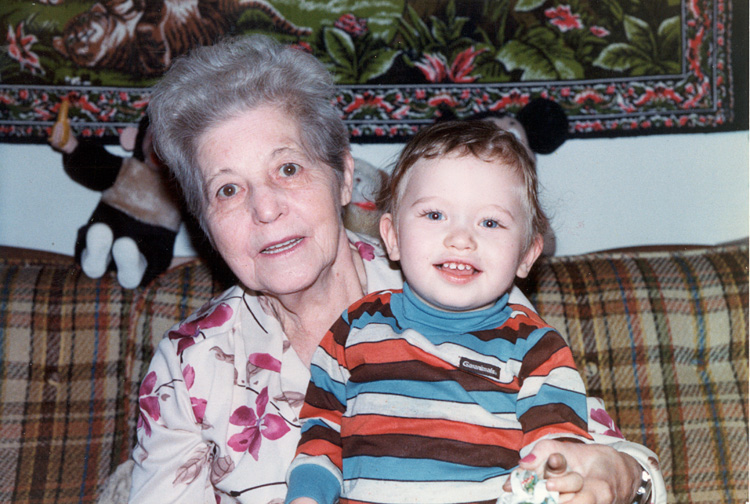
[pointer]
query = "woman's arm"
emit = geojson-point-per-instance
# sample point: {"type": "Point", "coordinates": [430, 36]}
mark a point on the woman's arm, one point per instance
{"type": "Point", "coordinates": [171, 458]}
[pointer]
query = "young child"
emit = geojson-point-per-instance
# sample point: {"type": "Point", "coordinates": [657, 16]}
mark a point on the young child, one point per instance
{"type": "Point", "coordinates": [433, 393]}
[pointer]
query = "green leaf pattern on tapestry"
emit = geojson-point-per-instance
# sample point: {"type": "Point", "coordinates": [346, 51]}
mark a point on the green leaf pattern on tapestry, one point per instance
{"type": "Point", "coordinates": [542, 56]}
{"type": "Point", "coordinates": [645, 52]}
{"type": "Point", "coordinates": [528, 5]}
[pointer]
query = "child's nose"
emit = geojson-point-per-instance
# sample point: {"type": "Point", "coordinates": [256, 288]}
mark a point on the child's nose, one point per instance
{"type": "Point", "coordinates": [460, 238]}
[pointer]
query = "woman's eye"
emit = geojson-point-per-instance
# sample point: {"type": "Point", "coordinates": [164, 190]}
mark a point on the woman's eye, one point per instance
{"type": "Point", "coordinates": [289, 169]}
{"type": "Point", "coordinates": [227, 191]}
{"type": "Point", "coordinates": [434, 216]}
{"type": "Point", "coordinates": [490, 223]}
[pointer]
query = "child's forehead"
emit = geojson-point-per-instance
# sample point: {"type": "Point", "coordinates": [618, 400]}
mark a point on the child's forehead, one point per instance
{"type": "Point", "coordinates": [449, 166]}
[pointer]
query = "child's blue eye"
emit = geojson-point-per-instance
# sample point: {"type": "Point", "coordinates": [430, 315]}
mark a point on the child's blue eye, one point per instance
{"type": "Point", "coordinates": [434, 215]}
{"type": "Point", "coordinates": [490, 223]}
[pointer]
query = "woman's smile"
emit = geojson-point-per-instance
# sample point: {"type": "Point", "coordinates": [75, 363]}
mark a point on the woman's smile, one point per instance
{"type": "Point", "coordinates": [282, 246]}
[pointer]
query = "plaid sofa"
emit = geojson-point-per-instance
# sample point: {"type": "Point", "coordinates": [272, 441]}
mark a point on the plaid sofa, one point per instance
{"type": "Point", "coordinates": [662, 337]}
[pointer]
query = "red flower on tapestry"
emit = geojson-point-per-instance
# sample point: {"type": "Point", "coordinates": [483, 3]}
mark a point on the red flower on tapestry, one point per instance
{"type": "Point", "coordinates": [209, 316]}
{"type": "Point", "coordinates": [351, 24]}
{"type": "Point", "coordinates": [513, 99]}
{"type": "Point", "coordinates": [463, 65]}
{"type": "Point", "coordinates": [369, 101]}
{"type": "Point", "coordinates": [588, 97]}
{"type": "Point", "coordinates": [258, 425]}
{"type": "Point", "coordinates": [599, 31]}
{"type": "Point", "coordinates": [442, 99]}
{"type": "Point", "coordinates": [148, 404]}
{"type": "Point", "coordinates": [19, 48]}
{"type": "Point", "coordinates": [659, 94]}
{"type": "Point", "coordinates": [562, 17]}
{"type": "Point", "coordinates": [435, 67]}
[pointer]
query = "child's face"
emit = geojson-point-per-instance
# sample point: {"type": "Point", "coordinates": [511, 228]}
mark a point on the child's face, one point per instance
{"type": "Point", "coordinates": [459, 232]}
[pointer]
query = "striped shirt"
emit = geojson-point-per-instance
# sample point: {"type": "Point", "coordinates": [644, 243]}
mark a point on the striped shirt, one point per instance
{"type": "Point", "coordinates": [408, 403]}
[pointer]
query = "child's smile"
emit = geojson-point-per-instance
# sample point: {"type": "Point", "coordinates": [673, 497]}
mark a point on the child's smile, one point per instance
{"type": "Point", "coordinates": [457, 271]}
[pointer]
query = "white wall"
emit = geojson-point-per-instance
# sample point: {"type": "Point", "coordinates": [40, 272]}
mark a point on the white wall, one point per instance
{"type": "Point", "coordinates": [602, 193]}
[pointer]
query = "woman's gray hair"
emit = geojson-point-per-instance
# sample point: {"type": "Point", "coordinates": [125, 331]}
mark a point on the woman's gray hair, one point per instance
{"type": "Point", "coordinates": [213, 84]}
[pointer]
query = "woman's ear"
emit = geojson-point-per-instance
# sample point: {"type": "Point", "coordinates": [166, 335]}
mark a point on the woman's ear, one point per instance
{"type": "Point", "coordinates": [348, 180]}
{"type": "Point", "coordinates": [530, 256]}
{"type": "Point", "coordinates": [389, 236]}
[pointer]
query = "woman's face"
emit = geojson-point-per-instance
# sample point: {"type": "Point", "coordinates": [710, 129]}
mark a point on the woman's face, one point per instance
{"type": "Point", "coordinates": [273, 213]}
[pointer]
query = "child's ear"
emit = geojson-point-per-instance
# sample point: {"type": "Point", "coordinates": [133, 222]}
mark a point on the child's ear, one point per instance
{"type": "Point", "coordinates": [389, 235]}
{"type": "Point", "coordinates": [530, 257]}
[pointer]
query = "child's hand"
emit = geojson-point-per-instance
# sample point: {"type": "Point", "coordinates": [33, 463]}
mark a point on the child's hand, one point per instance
{"type": "Point", "coordinates": [584, 473]}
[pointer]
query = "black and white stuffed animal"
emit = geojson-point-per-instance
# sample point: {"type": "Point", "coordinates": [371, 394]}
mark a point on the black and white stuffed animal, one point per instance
{"type": "Point", "coordinates": [134, 226]}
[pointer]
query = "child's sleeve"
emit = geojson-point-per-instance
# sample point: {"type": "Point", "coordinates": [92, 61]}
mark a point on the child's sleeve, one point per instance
{"type": "Point", "coordinates": [552, 396]}
{"type": "Point", "coordinates": [316, 470]}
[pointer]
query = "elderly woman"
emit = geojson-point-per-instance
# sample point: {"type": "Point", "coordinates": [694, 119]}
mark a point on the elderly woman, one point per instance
{"type": "Point", "coordinates": [250, 132]}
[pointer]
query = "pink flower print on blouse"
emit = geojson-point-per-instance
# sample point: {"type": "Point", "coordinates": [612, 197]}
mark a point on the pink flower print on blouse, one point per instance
{"type": "Point", "coordinates": [602, 417]}
{"type": "Point", "coordinates": [258, 424]}
{"type": "Point", "coordinates": [366, 251]}
{"type": "Point", "coordinates": [199, 405]}
{"type": "Point", "coordinates": [209, 316]}
{"type": "Point", "coordinates": [259, 361]}
{"type": "Point", "coordinates": [148, 404]}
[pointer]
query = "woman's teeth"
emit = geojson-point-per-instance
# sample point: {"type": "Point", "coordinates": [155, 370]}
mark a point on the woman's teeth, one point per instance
{"type": "Point", "coordinates": [281, 247]}
{"type": "Point", "coordinates": [458, 266]}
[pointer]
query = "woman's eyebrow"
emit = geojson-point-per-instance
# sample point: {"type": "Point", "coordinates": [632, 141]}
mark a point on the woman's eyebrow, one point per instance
{"type": "Point", "coordinates": [214, 175]}
{"type": "Point", "coordinates": [285, 150]}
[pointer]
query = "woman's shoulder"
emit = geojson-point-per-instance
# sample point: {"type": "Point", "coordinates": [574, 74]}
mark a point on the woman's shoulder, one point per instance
{"type": "Point", "coordinates": [381, 273]}
{"type": "Point", "coordinates": [219, 317]}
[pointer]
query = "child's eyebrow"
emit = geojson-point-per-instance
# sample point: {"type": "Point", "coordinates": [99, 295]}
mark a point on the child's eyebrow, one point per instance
{"type": "Point", "coordinates": [437, 199]}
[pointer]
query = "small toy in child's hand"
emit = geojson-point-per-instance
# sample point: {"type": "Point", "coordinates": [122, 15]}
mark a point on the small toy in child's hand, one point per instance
{"type": "Point", "coordinates": [528, 488]}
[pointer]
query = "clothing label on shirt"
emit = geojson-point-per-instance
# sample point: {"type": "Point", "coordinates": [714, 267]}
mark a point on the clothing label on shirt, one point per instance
{"type": "Point", "coordinates": [477, 367]}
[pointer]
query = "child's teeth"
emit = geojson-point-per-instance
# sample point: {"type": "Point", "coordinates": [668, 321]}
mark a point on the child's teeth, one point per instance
{"type": "Point", "coordinates": [454, 266]}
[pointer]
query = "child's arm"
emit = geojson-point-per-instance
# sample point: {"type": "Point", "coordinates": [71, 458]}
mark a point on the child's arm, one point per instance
{"type": "Point", "coordinates": [552, 397]}
{"type": "Point", "coordinates": [315, 475]}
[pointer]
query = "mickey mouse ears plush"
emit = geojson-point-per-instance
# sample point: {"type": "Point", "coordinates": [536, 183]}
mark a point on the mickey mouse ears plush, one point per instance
{"type": "Point", "coordinates": [541, 125]}
{"type": "Point", "coordinates": [545, 123]}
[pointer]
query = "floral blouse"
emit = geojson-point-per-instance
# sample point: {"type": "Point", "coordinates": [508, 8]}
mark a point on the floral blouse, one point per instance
{"type": "Point", "coordinates": [219, 406]}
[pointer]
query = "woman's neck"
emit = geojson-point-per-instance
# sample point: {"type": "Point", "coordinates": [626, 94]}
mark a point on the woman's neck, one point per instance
{"type": "Point", "coordinates": [306, 315]}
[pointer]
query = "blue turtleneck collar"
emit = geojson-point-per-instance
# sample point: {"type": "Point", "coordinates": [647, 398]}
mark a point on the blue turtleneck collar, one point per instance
{"type": "Point", "coordinates": [415, 314]}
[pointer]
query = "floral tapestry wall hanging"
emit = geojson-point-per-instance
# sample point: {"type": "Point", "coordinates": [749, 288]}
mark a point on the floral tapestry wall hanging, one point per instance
{"type": "Point", "coordinates": [617, 67]}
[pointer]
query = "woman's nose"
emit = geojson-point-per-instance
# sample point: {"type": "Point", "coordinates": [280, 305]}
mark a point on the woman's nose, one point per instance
{"type": "Point", "coordinates": [267, 204]}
